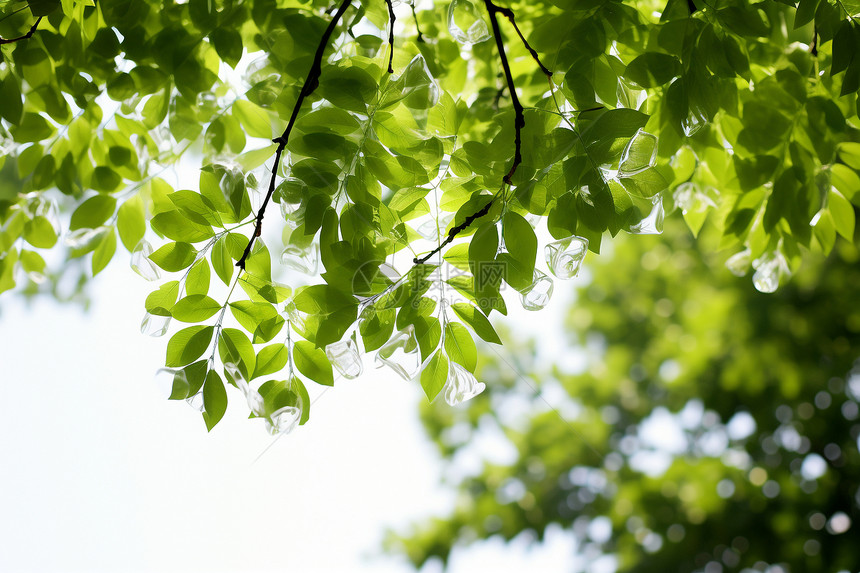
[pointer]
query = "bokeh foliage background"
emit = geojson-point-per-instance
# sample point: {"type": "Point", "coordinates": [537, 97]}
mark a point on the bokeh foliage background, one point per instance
{"type": "Point", "coordinates": [755, 462]}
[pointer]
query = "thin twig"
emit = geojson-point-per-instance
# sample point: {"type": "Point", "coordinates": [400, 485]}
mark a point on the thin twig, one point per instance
{"type": "Point", "coordinates": [452, 234]}
{"type": "Point", "coordinates": [311, 83]}
{"type": "Point", "coordinates": [26, 36]}
{"type": "Point", "coordinates": [391, 19]}
{"type": "Point", "coordinates": [415, 17]}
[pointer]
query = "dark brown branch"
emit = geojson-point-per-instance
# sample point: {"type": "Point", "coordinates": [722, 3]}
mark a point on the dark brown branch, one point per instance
{"type": "Point", "coordinates": [813, 48]}
{"type": "Point", "coordinates": [391, 19]}
{"type": "Point", "coordinates": [415, 17]}
{"type": "Point", "coordinates": [311, 83]}
{"type": "Point", "coordinates": [452, 234]}
{"type": "Point", "coordinates": [519, 118]}
{"type": "Point", "coordinates": [26, 36]}
{"type": "Point", "coordinates": [509, 14]}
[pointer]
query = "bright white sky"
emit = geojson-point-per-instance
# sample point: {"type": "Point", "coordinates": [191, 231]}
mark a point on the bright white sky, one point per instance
{"type": "Point", "coordinates": [102, 474]}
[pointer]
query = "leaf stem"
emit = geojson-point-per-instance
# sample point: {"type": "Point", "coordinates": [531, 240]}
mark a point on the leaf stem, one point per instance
{"type": "Point", "coordinates": [420, 37]}
{"type": "Point", "coordinates": [311, 84]}
{"type": "Point", "coordinates": [26, 36]}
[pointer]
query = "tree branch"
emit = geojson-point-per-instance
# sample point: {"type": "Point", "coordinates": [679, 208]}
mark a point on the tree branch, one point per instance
{"type": "Point", "coordinates": [391, 19]}
{"type": "Point", "coordinates": [519, 120]}
{"type": "Point", "coordinates": [509, 14]}
{"type": "Point", "coordinates": [311, 83]}
{"type": "Point", "coordinates": [26, 36]}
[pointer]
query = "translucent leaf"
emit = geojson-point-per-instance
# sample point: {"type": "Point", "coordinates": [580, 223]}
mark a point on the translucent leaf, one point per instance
{"type": "Point", "coordinates": [82, 238]}
{"type": "Point", "coordinates": [171, 382]}
{"type": "Point", "coordinates": [652, 222]}
{"type": "Point", "coordinates": [249, 389]}
{"type": "Point", "coordinates": [141, 264]}
{"type": "Point", "coordinates": [154, 325]}
{"type": "Point", "coordinates": [195, 401]}
{"type": "Point", "coordinates": [767, 271]}
{"type": "Point", "coordinates": [537, 295]}
{"type": "Point", "coordinates": [694, 122]}
{"type": "Point", "coordinates": [284, 420]}
{"type": "Point", "coordinates": [461, 385]}
{"type": "Point", "coordinates": [345, 356]}
{"type": "Point", "coordinates": [565, 256]}
{"type": "Point", "coordinates": [303, 260]}
{"type": "Point", "coordinates": [466, 24]}
{"type": "Point", "coordinates": [401, 354]}
{"type": "Point", "coordinates": [639, 154]}
{"type": "Point", "coordinates": [739, 263]}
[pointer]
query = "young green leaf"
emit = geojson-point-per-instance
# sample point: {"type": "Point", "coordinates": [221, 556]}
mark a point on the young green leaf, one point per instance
{"type": "Point", "coordinates": [434, 375]}
{"type": "Point", "coordinates": [188, 345]}
{"type": "Point", "coordinates": [477, 321]}
{"type": "Point", "coordinates": [312, 362]}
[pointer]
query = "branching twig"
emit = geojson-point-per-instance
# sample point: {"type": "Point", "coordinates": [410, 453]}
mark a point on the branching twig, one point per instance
{"type": "Point", "coordinates": [311, 83]}
{"type": "Point", "coordinates": [415, 17]}
{"type": "Point", "coordinates": [26, 36]}
{"type": "Point", "coordinates": [509, 14]}
{"type": "Point", "coordinates": [452, 234]}
{"type": "Point", "coordinates": [391, 19]}
{"type": "Point", "coordinates": [519, 120]}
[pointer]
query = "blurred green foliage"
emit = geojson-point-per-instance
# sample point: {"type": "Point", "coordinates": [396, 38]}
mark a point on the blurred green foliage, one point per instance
{"type": "Point", "coordinates": [707, 423]}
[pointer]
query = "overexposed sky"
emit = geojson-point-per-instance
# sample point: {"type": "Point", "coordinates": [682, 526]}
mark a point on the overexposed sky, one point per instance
{"type": "Point", "coordinates": [100, 473]}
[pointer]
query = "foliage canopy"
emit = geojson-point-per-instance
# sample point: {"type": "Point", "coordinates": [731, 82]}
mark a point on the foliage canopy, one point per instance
{"type": "Point", "coordinates": [414, 158]}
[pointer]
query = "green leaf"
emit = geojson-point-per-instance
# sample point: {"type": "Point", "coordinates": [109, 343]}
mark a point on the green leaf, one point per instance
{"type": "Point", "coordinates": [222, 263]}
{"type": "Point", "coordinates": [434, 375]}
{"type": "Point", "coordinates": [195, 308]}
{"type": "Point", "coordinates": [312, 362]}
{"type": "Point", "coordinates": [93, 212]}
{"type": "Point", "coordinates": [271, 359]}
{"type": "Point", "coordinates": [259, 318]}
{"type": "Point", "coordinates": [40, 233]}
{"type": "Point", "coordinates": [105, 179]}
{"type": "Point", "coordinates": [300, 389]}
{"type": "Point", "coordinates": [174, 257]}
{"type": "Point", "coordinates": [10, 95]}
{"type": "Point", "coordinates": [188, 345]}
{"type": "Point", "coordinates": [104, 251]}
{"type": "Point", "coordinates": [460, 346]}
{"type": "Point", "coordinates": [477, 321]}
{"type": "Point", "coordinates": [521, 243]}
{"type": "Point", "coordinates": [160, 302]}
{"type": "Point", "coordinates": [131, 222]}
{"type": "Point", "coordinates": [228, 44]}
{"type": "Point", "coordinates": [197, 281]}
{"type": "Point", "coordinates": [214, 399]}
{"type": "Point", "coordinates": [43, 7]}
{"type": "Point", "coordinates": [173, 225]}
{"type": "Point", "coordinates": [653, 69]}
{"type": "Point", "coordinates": [234, 346]}
{"type": "Point", "coordinates": [843, 214]}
